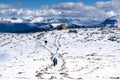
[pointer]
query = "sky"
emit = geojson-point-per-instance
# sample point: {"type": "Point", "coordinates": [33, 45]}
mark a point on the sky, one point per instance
{"type": "Point", "coordinates": [85, 9]}
{"type": "Point", "coordinates": [34, 4]}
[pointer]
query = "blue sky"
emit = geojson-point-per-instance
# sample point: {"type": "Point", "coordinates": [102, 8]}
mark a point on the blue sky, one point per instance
{"type": "Point", "coordinates": [60, 8]}
{"type": "Point", "coordinates": [38, 3]}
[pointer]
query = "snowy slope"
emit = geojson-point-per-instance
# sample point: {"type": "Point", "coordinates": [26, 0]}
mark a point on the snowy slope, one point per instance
{"type": "Point", "coordinates": [90, 54]}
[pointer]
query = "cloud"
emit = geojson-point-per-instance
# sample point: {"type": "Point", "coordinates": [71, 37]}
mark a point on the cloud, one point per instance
{"type": "Point", "coordinates": [68, 6]}
{"type": "Point", "coordinates": [108, 6]}
{"type": "Point", "coordinates": [17, 4]}
{"type": "Point", "coordinates": [79, 9]}
{"type": "Point", "coordinates": [11, 5]}
{"type": "Point", "coordinates": [100, 10]}
{"type": "Point", "coordinates": [111, 8]}
{"type": "Point", "coordinates": [111, 13]}
{"type": "Point", "coordinates": [3, 6]}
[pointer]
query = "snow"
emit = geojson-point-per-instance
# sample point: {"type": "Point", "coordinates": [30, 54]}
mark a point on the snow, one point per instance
{"type": "Point", "coordinates": [18, 20]}
{"type": "Point", "coordinates": [55, 25]}
{"type": "Point", "coordinates": [86, 55]}
{"type": "Point", "coordinates": [35, 20]}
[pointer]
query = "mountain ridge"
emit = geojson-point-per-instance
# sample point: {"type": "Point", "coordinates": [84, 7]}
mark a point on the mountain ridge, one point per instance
{"type": "Point", "coordinates": [40, 24]}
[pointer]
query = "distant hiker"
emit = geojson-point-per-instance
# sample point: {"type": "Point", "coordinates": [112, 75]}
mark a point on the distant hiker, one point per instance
{"type": "Point", "coordinates": [45, 42]}
{"type": "Point", "coordinates": [55, 61]}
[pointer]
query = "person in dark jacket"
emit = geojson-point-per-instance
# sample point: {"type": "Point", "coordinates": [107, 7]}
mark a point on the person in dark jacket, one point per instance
{"type": "Point", "coordinates": [46, 42]}
{"type": "Point", "coordinates": [55, 61]}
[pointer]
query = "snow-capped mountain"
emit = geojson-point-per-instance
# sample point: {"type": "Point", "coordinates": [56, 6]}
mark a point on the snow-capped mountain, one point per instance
{"type": "Point", "coordinates": [34, 24]}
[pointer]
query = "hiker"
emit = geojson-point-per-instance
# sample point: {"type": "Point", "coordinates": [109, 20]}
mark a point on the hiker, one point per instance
{"type": "Point", "coordinates": [55, 61]}
{"type": "Point", "coordinates": [46, 42]}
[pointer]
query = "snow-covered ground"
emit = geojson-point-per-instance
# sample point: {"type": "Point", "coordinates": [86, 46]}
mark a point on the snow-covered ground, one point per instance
{"type": "Point", "coordinates": [90, 54]}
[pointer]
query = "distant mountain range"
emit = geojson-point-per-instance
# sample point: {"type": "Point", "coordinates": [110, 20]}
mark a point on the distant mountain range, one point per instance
{"type": "Point", "coordinates": [17, 25]}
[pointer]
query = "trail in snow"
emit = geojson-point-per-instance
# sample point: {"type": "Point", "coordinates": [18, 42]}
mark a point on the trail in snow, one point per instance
{"type": "Point", "coordinates": [58, 71]}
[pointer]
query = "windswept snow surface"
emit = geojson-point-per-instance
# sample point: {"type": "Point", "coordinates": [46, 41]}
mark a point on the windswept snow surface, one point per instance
{"type": "Point", "coordinates": [90, 54]}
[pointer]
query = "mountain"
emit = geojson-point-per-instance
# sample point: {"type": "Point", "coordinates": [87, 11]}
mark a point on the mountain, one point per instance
{"type": "Point", "coordinates": [110, 22]}
{"type": "Point", "coordinates": [24, 27]}
{"type": "Point", "coordinates": [40, 24]}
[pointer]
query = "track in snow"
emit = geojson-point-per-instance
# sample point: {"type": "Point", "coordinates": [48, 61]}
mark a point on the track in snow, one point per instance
{"type": "Point", "coordinates": [54, 72]}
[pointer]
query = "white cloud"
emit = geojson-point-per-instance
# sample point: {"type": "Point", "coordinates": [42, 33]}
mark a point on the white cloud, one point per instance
{"type": "Point", "coordinates": [100, 11]}
{"type": "Point", "coordinates": [109, 5]}
{"type": "Point", "coordinates": [69, 6]}
{"type": "Point", "coordinates": [79, 9]}
{"type": "Point", "coordinates": [111, 13]}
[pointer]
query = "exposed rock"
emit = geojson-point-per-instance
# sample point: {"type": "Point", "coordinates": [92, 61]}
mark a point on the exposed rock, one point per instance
{"type": "Point", "coordinates": [62, 26]}
{"type": "Point", "coordinates": [73, 31]}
